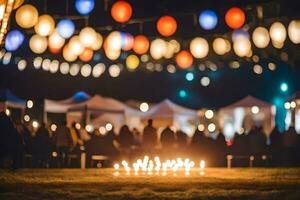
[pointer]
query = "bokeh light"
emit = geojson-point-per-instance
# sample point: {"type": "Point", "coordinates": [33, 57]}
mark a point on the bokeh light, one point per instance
{"type": "Point", "coordinates": [208, 19]}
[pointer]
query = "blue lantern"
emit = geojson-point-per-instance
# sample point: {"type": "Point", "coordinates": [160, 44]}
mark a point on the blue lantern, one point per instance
{"type": "Point", "coordinates": [65, 28]}
{"type": "Point", "coordinates": [84, 7]}
{"type": "Point", "coordinates": [240, 33]}
{"type": "Point", "coordinates": [13, 40]}
{"type": "Point", "coordinates": [208, 20]}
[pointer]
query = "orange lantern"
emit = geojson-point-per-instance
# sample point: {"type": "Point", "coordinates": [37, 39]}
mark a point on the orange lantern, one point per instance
{"type": "Point", "coordinates": [87, 55]}
{"type": "Point", "coordinates": [141, 44]}
{"type": "Point", "coordinates": [54, 50]}
{"type": "Point", "coordinates": [121, 11]}
{"type": "Point", "coordinates": [166, 26]}
{"type": "Point", "coordinates": [184, 59]}
{"type": "Point", "coordinates": [235, 18]}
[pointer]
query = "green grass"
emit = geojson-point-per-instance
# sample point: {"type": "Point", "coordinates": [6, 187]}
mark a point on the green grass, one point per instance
{"type": "Point", "coordinates": [237, 184]}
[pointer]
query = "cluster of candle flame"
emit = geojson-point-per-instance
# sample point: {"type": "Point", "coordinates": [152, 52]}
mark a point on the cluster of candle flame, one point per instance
{"type": "Point", "coordinates": [157, 166]}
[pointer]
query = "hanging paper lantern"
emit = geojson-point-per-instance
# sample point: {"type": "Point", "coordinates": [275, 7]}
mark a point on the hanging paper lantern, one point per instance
{"type": "Point", "coordinates": [208, 20]}
{"type": "Point", "coordinates": [65, 28]}
{"type": "Point", "coordinates": [171, 50]}
{"type": "Point", "coordinates": [158, 48]}
{"type": "Point", "coordinates": [121, 11]}
{"type": "Point", "coordinates": [112, 54]}
{"type": "Point", "coordinates": [242, 47]}
{"type": "Point", "coordinates": [240, 33]}
{"type": "Point", "coordinates": [45, 25]}
{"type": "Point", "coordinates": [38, 44]}
{"type": "Point", "coordinates": [13, 40]}
{"type": "Point", "coordinates": [113, 41]}
{"type": "Point", "coordinates": [98, 43]}
{"type": "Point", "coordinates": [56, 42]}
{"type": "Point", "coordinates": [278, 34]}
{"type": "Point", "coordinates": [166, 26]}
{"type": "Point", "coordinates": [235, 18]}
{"type": "Point", "coordinates": [84, 7]}
{"type": "Point", "coordinates": [132, 62]}
{"type": "Point", "coordinates": [141, 44]}
{"type": "Point", "coordinates": [294, 31]}
{"type": "Point", "coordinates": [88, 37]}
{"type": "Point", "coordinates": [184, 59]}
{"type": "Point", "coordinates": [27, 16]}
{"type": "Point", "coordinates": [127, 41]}
{"type": "Point", "coordinates": [68, 54]}
{"type": "Point", "coordinates": [261, 37]}
{"type": "Point", "coordinates": [199, 47]}
{"type": "Point", "coordinates": [221, 46]}
{"type": "Point", "coordinates": [87, 55]}
{"type": "Point", "coordinates": [75, 46]}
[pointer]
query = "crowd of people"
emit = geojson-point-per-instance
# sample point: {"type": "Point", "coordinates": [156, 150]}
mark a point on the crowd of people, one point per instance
{"type": "Point", "coordinates": [43, 145]}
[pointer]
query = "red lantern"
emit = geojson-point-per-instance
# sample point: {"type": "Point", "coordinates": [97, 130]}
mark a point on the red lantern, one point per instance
{"type": "Point", "coordinates": [54, 50]}
{"type": "Point", "coordinates": [184, 59]}
{"type": "Point", "coordinates": [166, 26]}
{"type": "Point", "coordinates": [141, 44]}
{"type": "Point", "coordinates": [87, 55]}
{"type": "Point", "coordinates": [235, 18]}
{"type": "Point", "coordinates": [127, 41]}
{"type": "Point", "coordinates": [121, 11]}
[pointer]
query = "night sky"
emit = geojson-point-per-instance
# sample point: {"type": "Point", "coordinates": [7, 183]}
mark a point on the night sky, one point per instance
{"type": "Point", "coordinates": [227, 85]}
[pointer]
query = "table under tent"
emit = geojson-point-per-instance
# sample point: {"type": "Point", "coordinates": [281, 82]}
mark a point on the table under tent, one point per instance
{"type": "Point", "coordinates": [12, 104]}
{"type": "Point", "coordinates": [98, 111]}
{"type": "Point", "coordinates": [59, 108]}
{"type": "Point", "coordinates": [167, 113]}
{"type": "Point", "coordinates": [242, 115]}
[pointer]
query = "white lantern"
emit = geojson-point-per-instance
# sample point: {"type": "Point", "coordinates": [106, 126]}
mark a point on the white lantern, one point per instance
{"type": "Point", "coordinates": [27, 16]}
{"type": "Point", "coordinates": [38, 44]}
{"type": "Point", "coordinates": [242, 47]}
{"type": "Point", "coordinates": [88, 37]}
{"type": "Point", "coordinates": [199, 47]}
{"type": "Point", "coordinates": [113, 41]}
{"type": "Point", "coordinates": [278, 33]}
{"type": "Point", "coordinates": [98, 43]}
{"type": "Point", "coordinates": [112, 54]}
{"type": "Point", "coordinates": [56, 41]}
{"type": "Point", "coordinates": [68, 54]}
{"type": "Point", "coordinates": [158, 48]}
{"type": "Point", "coordinates": [75, 46]}
{"type": "Point", "coordinates": [45, 25]}
{"type": "Point", "coordinates": [86, 70]}
{"type": "Point", "coordinates": [221, 46]}
{"type": "Point", "coordinates": [294, 31]}
{"type": "Point", "coordinates": [261, 37]}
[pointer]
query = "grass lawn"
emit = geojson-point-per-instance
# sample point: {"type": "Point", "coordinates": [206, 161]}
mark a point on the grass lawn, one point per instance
{"type": "Point", "coordinates": [89, 184]}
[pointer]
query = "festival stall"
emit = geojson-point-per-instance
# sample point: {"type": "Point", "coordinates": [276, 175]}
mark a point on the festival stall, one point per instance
{"type": "Point", "coordinates": [242, 115]}
{"type": "Point", "coordinates": [292, 107]}
{"type": "Point", "coordinates": [167, 113]}
{"type": "Point", "coordinates": [8, 100]}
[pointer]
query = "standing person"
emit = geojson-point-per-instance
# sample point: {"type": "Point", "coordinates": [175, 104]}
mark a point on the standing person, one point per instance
{"type": "Point", "coordinates": [149, 136]}
{"type": "Point", "coordinates": [63, 142]}
{"type": "Point", "coordinates": [167, 141]}
{"type": "Point", "coordinates": [275, 147]}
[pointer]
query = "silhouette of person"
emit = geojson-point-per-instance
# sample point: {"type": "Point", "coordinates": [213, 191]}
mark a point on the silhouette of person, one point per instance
{"type": "Point", "coordinates": [149, 136]}
{"type": "Point", "coordinates": [126, 138]}
{"type": "Point", "coordinates": [63, 143]}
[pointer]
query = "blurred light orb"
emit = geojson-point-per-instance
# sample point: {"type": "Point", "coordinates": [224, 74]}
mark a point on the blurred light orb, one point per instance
{"type": "Point", "coordinates": [121, 11]}
{"type": "Point", "coordinates": [54, 66]}
{"type": "Point", "coordinates": [45, 25]}
{"type": "Point", "coordinates": [240, 33]}
{"type": "Point", "coordinates": [176, 45]}
{"type": "Point", "coordinates": [84, 7]}
{"type": "Point", "coordinates": [255, 110]}
{"type": "Point", "coordinates": [37, 62]}
{"type": "Point", "coordinates": [98, 70]}
{"type": "Point", "coordinates": [86, 70]}
{"type": "Point", "coordinates": [65, 28]}
{"type": "Point", "coordinates": [53, 127]}
{"type": "Point", "coordinates": [166, 25]}
{"type": "Point", "coordinates": [158, 49]}
{"type": "Point", "coordinates": [56, 42]}
{"type": "Point", "coordinates": [199, 47]}
{"type": "Point", "coordinates": [144, 107]}
{"type": "Point", "coordinates": [132, 62]}
{"type": "Point", "coordinates": [171, 68]}
{"type": "Point", "coordinates": [242, 47]}
{"type": "Point", "coordinates": [278, 33]}
{"type": "Point", "coordinates": [189, 76]}
{"type": "Point", "coordinates": [235, 18]}
{"type": "Point", "coordinates": [22, 65]}
{"type": "Point", "coordinates": [294, 31]}
{"type": "Point", "coordinates": [184, 59]}
{"type": "Point", "coordinates": [113, 41]}
{"type": "Point", "coordinates": [68, 54]}
{"type": "Point", "coordinates": [26, 118]}
{"type": "Point", "coordinates": [261, 37]}
{"type": "Point", "coordinates": [46, 64]}
{"type": "Point", "coordinates": [257, 69]}
{"type": "Point", "coordinates": [284, 87]}
{"type": "Point", "coordinates": [114, 70]}
{"type": "Point", "coordinates": [87, 55]}
{"type": "Point", "coordinates": [74, 69]}
{"type": "Point", "coordinates": [27, 16]}
{"type": "Point", "coordinates": [221, 46]}
{"type": "Point", "coordinates": [13, 40]}
{"type": "Point", "coordinates": [209, 114]}
{"type": "Point", "coordinates": [64, 68]}
{"type": "Point", "coordinates": [35, 124]}
{"type": "Point", "coordinates": [211, 127]}
{"type": "Point", "coordinates": [208, 19]}
{"type": "Point", "coordinates": [75, 46]}
{"type": "Point", "coordinates": [88, 37]}
{"type": "Point", "coordinates": [205, 81]}
{"type": "Point", "coordinates": [141, 44]}
{"type": "Point", "coordinates": [127, 41]}
{"type": "Point", "coordinates": [98, 43]}
{"type": "Point", "coordinates": [38, 44]}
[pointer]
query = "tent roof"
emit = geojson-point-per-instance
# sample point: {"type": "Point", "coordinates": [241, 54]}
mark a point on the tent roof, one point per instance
{"type": "Point", "coordinates": [248, 102]}
{"type": "Point", "coordinates": [167, 109]}
{"type": "Point", "coordinates": [62, 106]}
{"type": "Point", "coordinates": [11, 100]}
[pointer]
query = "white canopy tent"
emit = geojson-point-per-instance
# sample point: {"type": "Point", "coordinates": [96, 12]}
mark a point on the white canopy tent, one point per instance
{"type": "Point", "coordinates": [167, 113]}
{"type": "Point", "coordinates": [245, 113]}
{"type": "Point", "coordinates": [100, 110]}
